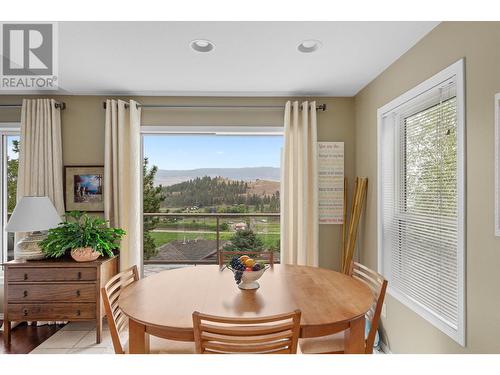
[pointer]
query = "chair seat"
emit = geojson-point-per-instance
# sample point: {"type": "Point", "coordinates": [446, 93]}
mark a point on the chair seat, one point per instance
{"type": "Point", "coordinates": [331, 344]}
{"type": "Point", "coordinates": [158, 345]}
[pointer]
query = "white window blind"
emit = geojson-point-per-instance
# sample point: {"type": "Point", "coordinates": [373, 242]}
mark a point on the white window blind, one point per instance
{"type": "Point", "coordinates": [421, 208]}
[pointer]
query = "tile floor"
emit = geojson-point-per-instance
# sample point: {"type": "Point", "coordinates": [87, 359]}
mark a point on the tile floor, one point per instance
{"type": "Point", "coordinates": [76, 338]}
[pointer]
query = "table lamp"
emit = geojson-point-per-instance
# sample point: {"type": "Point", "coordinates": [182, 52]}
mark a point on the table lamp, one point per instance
{"type": "Point", "coordinates": [33, 215]}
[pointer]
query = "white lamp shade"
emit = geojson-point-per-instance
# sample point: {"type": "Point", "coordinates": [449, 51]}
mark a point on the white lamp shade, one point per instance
{"type": "Point", "coordinates": [33, 214]}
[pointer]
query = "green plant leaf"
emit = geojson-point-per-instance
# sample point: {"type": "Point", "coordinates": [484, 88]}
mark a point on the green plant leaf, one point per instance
{"type": "Point", "coordinates": [81, 230]}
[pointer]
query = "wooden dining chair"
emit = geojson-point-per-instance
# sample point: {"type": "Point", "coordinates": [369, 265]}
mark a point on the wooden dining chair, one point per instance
{"type": "Point", "coordinates": [226, 256]}
{"type": "Point", "coordinates": [118, 321]}
{"type": "Point", "coordinates": [334, 344]}
{"type": "Point", "coordinates": [276, 334]}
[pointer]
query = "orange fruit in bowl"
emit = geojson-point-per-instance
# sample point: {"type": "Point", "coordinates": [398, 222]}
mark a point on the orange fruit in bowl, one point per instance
{"type": "Point", "coordinates": [249, 262]}
{"type": "Point", "coordinates": [243, 258]}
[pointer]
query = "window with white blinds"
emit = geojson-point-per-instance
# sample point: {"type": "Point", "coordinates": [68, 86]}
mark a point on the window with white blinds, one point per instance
{"type": "Point", "coordinates": [421, 200]}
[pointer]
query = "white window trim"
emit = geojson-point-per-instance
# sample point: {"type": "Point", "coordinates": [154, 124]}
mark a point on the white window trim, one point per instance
{"type": "Point", "coordinates": [215, 130]}
{"type": "Point", "coordinates": [6, 128]}
{"type": "Point", "coordinates": [497, 165]}
{"type": "Point", "coordinates": [455, 71]}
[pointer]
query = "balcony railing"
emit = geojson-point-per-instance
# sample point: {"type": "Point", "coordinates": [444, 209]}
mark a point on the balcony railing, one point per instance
{"type": "Point", "coordinates": [198, 238]}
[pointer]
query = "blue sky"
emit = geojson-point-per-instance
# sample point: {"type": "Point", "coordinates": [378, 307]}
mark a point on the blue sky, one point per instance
{"type": "Point", "coordinates": [11, 154]}
{"type": "Point", "coordinates": [212, 151]}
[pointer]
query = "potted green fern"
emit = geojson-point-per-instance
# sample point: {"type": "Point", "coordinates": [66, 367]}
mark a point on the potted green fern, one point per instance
{"type": "Point", "coordinates": [85, 237]}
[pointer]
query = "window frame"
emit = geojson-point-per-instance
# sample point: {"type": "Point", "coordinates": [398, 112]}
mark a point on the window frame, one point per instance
{"type": "Point", "coordinates": [222, 130]}
{"type": "Point", "coordinates": [6, 129]}
{"type": "Point", "coordinates": [497, 164]}
{"type": "Point", "coordinates": [453, 72]}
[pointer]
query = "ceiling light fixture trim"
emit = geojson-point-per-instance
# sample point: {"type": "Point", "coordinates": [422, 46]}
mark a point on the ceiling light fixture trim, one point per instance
{"type": "Point", "coordinates": [309, 45]}
{"type": "Point", "coordinates": [202, 45]}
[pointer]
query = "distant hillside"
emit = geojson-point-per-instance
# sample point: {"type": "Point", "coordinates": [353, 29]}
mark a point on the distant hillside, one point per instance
{"type": "Point", "coordinates": [222, 194]}
{"type": "Point", "coordinates": [263, 187]}
{"type": "Point", "coordinates": [172, 177]}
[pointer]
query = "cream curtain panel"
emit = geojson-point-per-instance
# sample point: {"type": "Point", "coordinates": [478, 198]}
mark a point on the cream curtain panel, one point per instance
{"type": "Point", "coordinates": [40, 156]}
{"type": "Point", "coordinates": [122, 177]}
{"type": "Point", "coordinates": [299, 186]}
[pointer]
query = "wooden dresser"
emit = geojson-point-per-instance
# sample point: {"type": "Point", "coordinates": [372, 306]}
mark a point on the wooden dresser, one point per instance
{"type": "Point", "coordinates": [56, 290]}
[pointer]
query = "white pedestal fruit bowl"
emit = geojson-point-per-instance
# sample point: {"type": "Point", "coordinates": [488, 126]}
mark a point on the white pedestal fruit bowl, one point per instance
{"type": "Point", "coordinates": [246, 277]}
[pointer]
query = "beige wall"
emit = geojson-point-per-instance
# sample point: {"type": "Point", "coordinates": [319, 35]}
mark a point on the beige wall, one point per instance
{"type": "Point", "coordinates": [83, 132]}
{"type": "Point", "coordinates": [479, 43]}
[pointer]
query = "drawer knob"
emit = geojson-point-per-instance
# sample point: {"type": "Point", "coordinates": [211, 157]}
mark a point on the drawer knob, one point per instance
{"type": "Point", "coordinates": [25, 293]}
{"type": "Point", "coordinates": [79, 275]}
{"type": "Point", "coordinates": [77, 312]}
{"type": "Point", "coordinates": [25, 312]}
{"type": "Point", "coordinates": [78, 293]}
{"type": "Point", "coordinates": [25, 276]}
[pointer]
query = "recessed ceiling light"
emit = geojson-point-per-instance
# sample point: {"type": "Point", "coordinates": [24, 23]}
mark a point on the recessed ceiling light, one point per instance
{"type": "Point", "coordinates": [202, 45]}
{"type": "Point", "coordinates": [309, 45]}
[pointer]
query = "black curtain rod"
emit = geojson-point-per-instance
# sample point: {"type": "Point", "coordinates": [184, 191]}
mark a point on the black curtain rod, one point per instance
{"type": "Point", "coordinates": [321, 107]}
{"type": "Point", "coordinates": [61, 105]}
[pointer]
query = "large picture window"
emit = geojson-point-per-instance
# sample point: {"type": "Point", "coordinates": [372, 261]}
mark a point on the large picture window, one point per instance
{"type": "Point", "coordinates": [421, 200]}
{"type": "Point", "coordinates": [205, 191]}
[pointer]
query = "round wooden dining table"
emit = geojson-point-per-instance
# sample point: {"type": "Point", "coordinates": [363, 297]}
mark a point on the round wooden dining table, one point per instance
{"type": "Point", "coordinates": [162, 304]}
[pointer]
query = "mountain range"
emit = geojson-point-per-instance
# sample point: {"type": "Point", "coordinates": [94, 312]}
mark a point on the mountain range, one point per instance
{"type": "Point", "coordinates": [171, 177]}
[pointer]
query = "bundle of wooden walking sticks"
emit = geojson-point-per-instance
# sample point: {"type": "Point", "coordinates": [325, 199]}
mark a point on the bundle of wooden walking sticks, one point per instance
{"type": "Point", "coordinates": [351, 222]}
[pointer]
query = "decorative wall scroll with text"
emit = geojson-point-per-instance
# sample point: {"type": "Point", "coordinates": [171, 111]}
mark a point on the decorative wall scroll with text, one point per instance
{"type": "Point", "coordinates": [331, 182]}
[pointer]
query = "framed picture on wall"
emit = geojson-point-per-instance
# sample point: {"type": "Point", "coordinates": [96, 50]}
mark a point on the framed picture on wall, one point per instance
{"type": "Point", "coordinates": [84, 188]}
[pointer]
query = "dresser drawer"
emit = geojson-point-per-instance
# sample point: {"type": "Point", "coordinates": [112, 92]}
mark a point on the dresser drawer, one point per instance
{"type": "Point", "coordinates": [51, 311]}
{"type": "Point", "coordinates": [78, 292]}
{"type": "Point", "coordinates": [51, 274]}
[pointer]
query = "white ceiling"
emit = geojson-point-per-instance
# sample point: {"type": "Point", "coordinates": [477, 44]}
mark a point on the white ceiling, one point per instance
{"type": "Point", "coordinates": [250, 58]}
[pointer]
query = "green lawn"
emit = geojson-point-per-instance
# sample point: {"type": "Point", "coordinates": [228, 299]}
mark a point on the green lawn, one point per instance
{"type": "Point", "coordinates": [271, 224]}
{"type": "Point", "coordinates": [161, 238]}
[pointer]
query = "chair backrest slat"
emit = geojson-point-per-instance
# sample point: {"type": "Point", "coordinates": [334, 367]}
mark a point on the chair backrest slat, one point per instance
{"type": "Point", "coordinates": [373, 281]}
{"type": "Point", "coordinates": [266, 335]}
{"type": "Point", "coordinates": [378, 285]}
{"type": "Point", "coordinates": [246, 339]}
{"type": "Point", "coordinates": [262, 348]}
{"type": "Point", "coordinates": [252, 330]}
{"type": "Point", "coordinates": [117, 320]}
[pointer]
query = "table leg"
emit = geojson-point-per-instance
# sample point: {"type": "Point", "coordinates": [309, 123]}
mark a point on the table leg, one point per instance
{"type": "Point", "coordinates": [98, 330]}
{"type": "Point", "coordinates": [354, 337]}
{"type": "Point", "coordinates": [6, 332]}
{"type": "Point", "coordinates": [138, 340]}
{"type": "Point", "coordinates": [146, 344]}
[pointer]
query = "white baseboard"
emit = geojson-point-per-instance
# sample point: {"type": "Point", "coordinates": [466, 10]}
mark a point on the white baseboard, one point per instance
{"type": "Point", "coordinates": [385, 348]}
